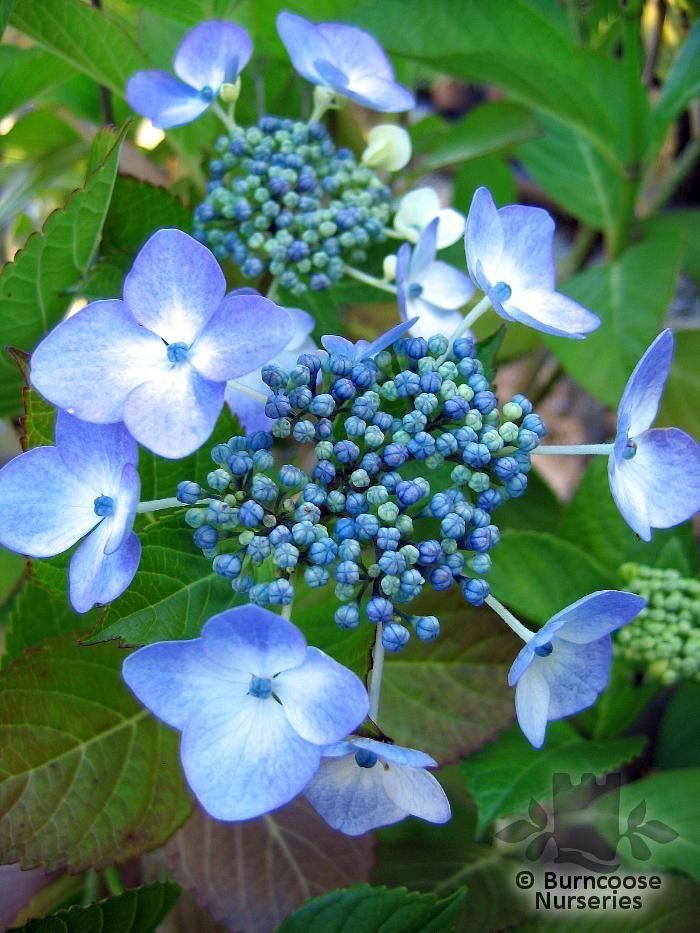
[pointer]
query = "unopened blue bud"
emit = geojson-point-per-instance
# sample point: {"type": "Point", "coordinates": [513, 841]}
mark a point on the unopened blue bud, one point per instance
{"type": "Point", "coordinates": [258, 549]}
{"type": "Point", "coordinates": [480, 563]}
{"type": "Point", "coordinates": [430, 552]}
{"type": "Point", "coordinates": [263, 460]}
{"type": "Point", "coordinates": [346, 451]}
{"type": "Point", "coordinates": [489, 499]}
{"type": "Point", "coordinates": [388, 539]}
{"type": "Point", "coordinates": [347, 616]}
{"type": "Point", "coordinates": [463, 347]}
{"type": "Point", "coordinates": [516, 486]}
{"type": "Point", "coordinates": [392, 562]}
{"type": "Point", "coordinates": [382, 420]}
{"type": "Point", "coordinates": [427, 628]}
{"type": "Point", "coordinates": [206, 537]}
{"type": "Point", "coordinates": [281, 593]}
{"type": "Point", "coordinates": [278, 406]}
{"type": "Point", "coordinates": [524, 403]}
{"type": "Point", "coordinates": [291, 476]}
{"type": "Point", "coordinates": [335, 501]}
{"type": "Point", "coordinates": [366, 526]}
{"type": "Point", "coordinates": [407, 383]}
{"type": "Point", "coordinates": [379, 609]}
{"type": "Point", "coordinates": [395, 636]}
{"type": "Point", "coordinates": [476, 455]}
{"type": "Point", "coordinates": [355, 427]}
{"type": "Point", "coordinates": [371, 463]}
{"type": "Point", "coordinates": [343, 390]}
{"type": "Point", "coordinates": [219, 513]}
{"type": "Point", "coordinates": [347, 572]}
{"type": "Point", "coordinates": [240, 463]}
{"type": "Point", "coordinates": [286, 556]}
{"type": "Point", "coordinates": [395, 455]}
{"type": "Point", "coordinates": [219, 480]}
{"type": "Point", "coordinates": [220, 453]}
{"type": "Point", "coordinates": [316, 577]}
{"type": "Point", "coordinates": [273, 376]}
{"type": "Point", "coordinates": [475, 591]}
{"type": "Point", "coordinates": [374, 437]}
{"type": "Point", "coordinates": [323, 552]}
{"type": "Point", "coordinates": [527, 440]}
{"type": "Point", "coordinates": [189, 493]}
{"type": "Point", "coordinates": [250, 514]}
{"type": "Point", "coordinates": [441, 578]}
{"type": "Point", "coordinates": [280, 535]}
{"type": "Point", "coordinates": [228, 565]}
{"type": "Point", "coordinates": [304, 432]}
{"type": "Point", "coordinates": [533, 422]}
{"type": "Point", "coordinates": [260, 595]}
{"type": "Point", "coordinates": [317, 495]}
{"type": "Point", "coordinates": [421, 446]}
{"type": "Point", "coordinates": [324, 472]}
{"type": "Point", "coordinates": [453, 526]}
{"type": "Point", "coordinates": [195, 517]}
{"type": "Point", "coordinates": [303, 533]}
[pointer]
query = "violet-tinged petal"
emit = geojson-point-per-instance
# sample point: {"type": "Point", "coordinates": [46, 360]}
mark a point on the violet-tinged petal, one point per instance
{"type": "Point", "coordinates": [125, 501]}
{"type": "Point", "coordinates": [444, 286]}
{"type": "Point", "coordinates": [423, 252]}
{"type": "Point", "coordinates": [177, 680]}
{"type": "Point", "coordinates": [95, 453]}
{"type": "Point", "coordinates": [212, 54]}
{"type": "Point", "coordinates": [380, 94]}
{"type": "Point", "coordinates": [396, 754]}
{"type": "Point", "coordinates": [174, 287]}
{"type": "Point", "coordinates": [90, 363]}
{"type": "Point", "coordinates": [174, 414]}
{"type": "Point", "coordinates": [338, 346]}
{"type": "Point", "coordinates": [245, 332]}
{"type": "Point", "coordinates": [351, 799]}
{"type": "Point", "coordinates": [483, 237]}
{"type": "Point", "coordinates": [355, 52]}
{"type": "Point", "coordinates": [629, 498]}
{"type": "Point", "coordinates": [532, 705]}
{"type": "Point", "coordinates": [527, 260]}
{"type": "Point", "coordinates": [417, 792]}
{"type": "Point", "coordinates": [323, 700]}
{"type": "Point", "coordinates": [595, 615]}
{"type": "Point", "coordinates": [386, 339]}
{"type": "Point", "coordinates": [642, 395]}
{"type": "Point", "coordinates": [551, 313]}
{"type": "Point", "coordinates": [45, 507]}
{"type": "Point", "coordinates": [164, 100]}
{"type": "Point", "coordinates": [576, 674]}
{"type": "Point", "coordinates": [247, 760]}
{"type": "Point", "coordinates": [96, 577]}
{"type": "Point", "coordinates": [254, 640]}
{"type": "Point", "coordinates": [304, 43]}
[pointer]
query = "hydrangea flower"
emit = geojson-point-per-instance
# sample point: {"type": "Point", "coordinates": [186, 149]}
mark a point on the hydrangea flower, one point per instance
{"type": "Point", "coordinates": [86, 485]}
{"type": "Point", "coordinates": [566, 664]}
{"type": "Point", "coordinates": [250, 410]}
{"type": "Point", "coordinates": [654, 473]}
{"type": "Point", "coordinates": [363, 784]}
{"type": "Point", "coordinates": [509, 256]}
{"type": "Point", "coordinates": [211, 55]}
{"type": "Point", "coordinates": [255, 706]}
{"type": "Point", "coordinates": [364, 349]}
{"type": "Point", "coordinates": [418, 208]}
{"type": "Point", "coordinates": [159, 359]}
{"type": "Point", "coordinates": [429, 289]}
{"type": "Point", "coordinates": [344, 59]}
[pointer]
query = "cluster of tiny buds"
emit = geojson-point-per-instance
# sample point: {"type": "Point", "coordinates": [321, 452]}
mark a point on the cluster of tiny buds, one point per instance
{"type": "Point", "coordinates": [412, 456]}
{"type": "Point", "coordinates": [664, 639]}
{"type": "Point", "coordinates": [282, 199]}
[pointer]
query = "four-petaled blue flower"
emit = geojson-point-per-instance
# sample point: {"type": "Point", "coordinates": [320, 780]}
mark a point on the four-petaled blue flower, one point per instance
{"type": "Point", "coordinates": [344, 59]}
{"type": "Point", "coordinates": [509, 256]}
{"type": "Point", "coordinates": [159, 360]}
{"type": "Point", "coordinates": [255, 706]}
{"type": "Point", "coordinates": [566, 664]}
{"type": "Point", "coordinates": [363, 784]}
{"type": "Point", "coordinates": [654, 473]}
{"type": "Point", "coordinates": [86, 485]}
{"type": "Point", "coordinates": [212, 54]}
{"type": "Point", "coordinates": [429, 289]}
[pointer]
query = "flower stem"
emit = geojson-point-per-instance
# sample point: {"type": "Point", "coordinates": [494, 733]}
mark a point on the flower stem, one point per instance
{"type": "Point", "coordinates": [555, 450]}
{"type": "Point", "coordinates": [370, 280]}
{"type": "Point", "coordinates": [226, 119]}
{"type": "Point", "coordinates": [246, 390]}
{"type": "Point", "coordinates": [474, 315]}
{"type": "Point", "coordinates": [113, 881]}
{"type": "Point", "coordinates": [154, 505]}
{"type": "Point", "coordinates": [375, 683]}
{"type": "Point", "coordinates": [509, 619]}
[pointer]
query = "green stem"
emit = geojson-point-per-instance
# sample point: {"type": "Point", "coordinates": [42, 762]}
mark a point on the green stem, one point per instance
{"type": "Point", "coordinates": [370, 280]}
{"type": "Point", "coordinates": [90, 887]}
{"type": "Point", "coordinates": [113, 881]}
{"type": "Point", "coordinates": [225, 118]}
{"type": "Point", "coordinates": [375, 683]}
{"type": "Point", "coordinates": [556, 450]}
{"type": "Point", "coordinates": [509, 619]}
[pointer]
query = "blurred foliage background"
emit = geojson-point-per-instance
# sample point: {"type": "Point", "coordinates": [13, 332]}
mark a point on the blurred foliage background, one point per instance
{"type": "Point", "coordinates": [589, 108]}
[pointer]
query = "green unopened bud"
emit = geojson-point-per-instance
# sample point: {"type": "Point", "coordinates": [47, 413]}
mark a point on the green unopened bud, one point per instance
{"type": "Point", "coordinates": [388, 512]}
{"type": "Point", "coordinates": [245, 537]}
{"type": "Point", "coordinates": [512, 411]}
{"type": "Point", "coordinates": [409, 553]}
{"type": "Point", "coordinates": [508, 430]}
{"type": "Point", "coordinates": [388, 148]}
{"type": "Point", "coordinates": [230, 93]}
{"type": "Point", "coordinates": [479, 482]}
{"type": "Point", "coordinates": [390, 585]}
{"type": "Point", "coordinates": [404, 524]}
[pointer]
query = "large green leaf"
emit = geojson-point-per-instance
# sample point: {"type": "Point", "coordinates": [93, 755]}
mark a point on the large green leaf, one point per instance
{"type": "Point", "coordinates": [681, 86]}
{"type": "Point", "coordinates": [678, 744]}
{"type": "Point", "coordinates": [363, 908]}
{"type": "Point", "coordinates": [631, 296]}
{"type": "Point", "coordinates": [139, 910]}
{"type": "Point", "coordinates": [88, 777]}
{"type": "Point", "coordinates": [679, 407]}
{"type": "Point", "coordinates": [138, 210]}
{"type": "Point", "coordinates": [12, 568]}
{"type": "Point", "coordinates": [24, 73]}
{"type": "Point", "coordinates": [32, 287]}
{"type": "Point", "coordinates": [538, 574]}
{"type": "Point", "coordinates": [504, 777]}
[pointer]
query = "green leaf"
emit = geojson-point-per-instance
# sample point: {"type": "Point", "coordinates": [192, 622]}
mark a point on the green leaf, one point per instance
{"type": "Point", "coordinates": [538, 510]}
{"type": "Point", "coordinates": [450, 696]}
{"type": "Point", "coordinates": [678, 407]}
{"type": "Point", "coordinates": [492, 172]}
{"type": "Point", "coordinates": [362, 908]}
{"type": "Point", "coordinates": [313, 614]}
{"type": "Point", "coordinates": [88, 776]}
{"type": "Point", "coordinates": [84, 37]}
{"type": "Point", "coordinates": [12, 568]}
{"type": "Point", "coordinates": [139, 910]}
{"type": "Point", "coordinates": [681, 86]}
{"type": "Point", "coordinates": [538, 574]}
{"type": "Point", "coordinates": [620, 704]}
{"type": "Point", "coordinates": [137, 210]}
{"type": "Point", "coordinates": [488, 129]}
{"type": "Point", "coordinates": [678, 744]}
{"type": "Point", "coordinates": [5, 11]}
{"type": "Point", "coordinates": [32, 286]}
{"type": "Point", "coordinates": [25, 73]}
{"type": "Point", "coordinates": [38, 421]}
{"type": "Point", "coordinates": [631, 296]}
{"type": "Point", "coordinates": [106, 278]}
{"type": "Point", "coordinates": [506, 775]}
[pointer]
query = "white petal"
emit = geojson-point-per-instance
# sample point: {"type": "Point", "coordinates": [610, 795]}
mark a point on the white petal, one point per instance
{"type": "Point", "coordinates": [532, 704]}
{"type": "Point", "coordinates": [417, 792]}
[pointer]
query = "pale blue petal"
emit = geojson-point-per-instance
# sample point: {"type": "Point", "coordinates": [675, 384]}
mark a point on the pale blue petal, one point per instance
{"type": "Point", "coordinates": [355, 52]}
{"type": "Point", "coordinates": [592, 617]}
{"type": "Point", "coordinates": [96, 577]}
{"type": "Point", "coordinates": [164, 100]}
{"type": "Point", "coordinates": [629, 497]}
{"type": "Point", "coordinates": [423, 252]}
{"type": "Point", "coordinates": [338, 346]}
{"type": "Point", "coordinates": [125, 501]}
{"type": "Point", "coordinates": [95, 453]}
{"type": "Point", "coordinates": [396, 754]}
{"type": "Point", "coordinates": [527, 260]}
{"type": "Point", "coordinates": [483, 238]}
{"type": "Point", "coordinates": [380, 94]}
{"type": "Point", "coordinates": [247, 760]}
{"type": "Point", "coordinates": [417, 792]}
{"type": "Point", "coordinates": [174, 414]}
{"type": "Point", "coordinates": [45, 507]}
{"type": "Point", "coordinates": [176, 680]}
{"type": "Point", "coordinates": [576, 675]}
{"type": "Point", "coordinates": [175, 285]}
{"type": "Point", "coordinates": [304, 43]}
{"type": "Point", "coordinates": [532, 705]}
{"type": "Point", "coordinates": [551, 313]}
{"type": "Point", "coordinates": [89, 363]}
{"type": "Point", "coordinates": [444, 286]}
{"type": "Point", "coordinates": [213, 54]}
{"type": "Point", "coordinates": [642, 395]}
{"type": "Point", "coordinates": [430, 320]}
{"type": "Point", "coordinates": [249, 411]}
{"type": "Point", "coordinates": [253, 640]}
{"type": "Point", "coordinates": [302, 328]}
{"type": "Point", "coordinates": [246, 332]}
{"type": "Point", "coordinates": [323, 700]}
{"type": "Point", "coordinates": [386, 339]}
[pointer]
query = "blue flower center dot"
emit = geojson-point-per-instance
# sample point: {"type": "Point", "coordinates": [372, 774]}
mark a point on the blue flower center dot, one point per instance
{"type": "Point", "coordinates": [207, 93]}
{"type": "Point", "coordinates": [260, 687]}
{"type": "Point", "coordinates": [104, 505]}
{"type": "Point", "coordinates": [502, 291]}
{"type": "Point", "coordinates": [544, 651]}
{"type": "Point", "coordinates": [177, 352]}
{"type": "Point", "coordinates": [630, 450]}
{"type": "Point", "coordinates": [415, 290]}
{"type": "Point", "coordinates": [365, 758]}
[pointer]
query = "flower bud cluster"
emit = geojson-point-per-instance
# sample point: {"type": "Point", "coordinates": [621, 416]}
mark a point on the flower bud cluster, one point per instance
{"type": "Point", "coordinates": [411, 457]}
{"type": "Point", "coordinates": [664, 639]}
{"type": "Point", "coordinates": [283, 199]}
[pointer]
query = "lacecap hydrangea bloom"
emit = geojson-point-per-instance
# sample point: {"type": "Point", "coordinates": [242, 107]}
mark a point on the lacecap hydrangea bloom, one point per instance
{"type": "Point", "coordinates": [87, 486]}
{"type": "Point", "coordinates": [159, 359]}
{"type": "Point", "coordinates": [255, 705]}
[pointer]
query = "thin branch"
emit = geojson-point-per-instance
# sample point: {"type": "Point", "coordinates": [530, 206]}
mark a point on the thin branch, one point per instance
{"type": "Point", "coordinates": [105, 93]}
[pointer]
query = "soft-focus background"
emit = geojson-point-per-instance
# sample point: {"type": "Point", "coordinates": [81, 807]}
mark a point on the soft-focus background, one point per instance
{"type": "Point", "coordinates": [588, 108]}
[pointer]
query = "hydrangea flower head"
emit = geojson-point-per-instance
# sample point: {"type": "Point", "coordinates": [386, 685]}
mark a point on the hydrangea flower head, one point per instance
{"type": "Point", "coordinates": [86, 485]}
{"type": "Point", "coordinates": [363, 784]}
{"type": "Point", "coordinates": [345, 59]}
{"type": "Point", "coordinates": [211, 55]}
{"type": "Point", "coordinates": [160, 358]}
{"type": "Point", "coordinates": [654, 473]}
{"type": "Point", "coordinates": [429, 289]}
{"type": "Point", "coordinates": [566, 664]}
{"type": "Point", "coordinates": [509, 256]}
{"type": "Point", "coordinates": [418, 208]}
{"type": "Point", "coordinates": [255, 706]}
